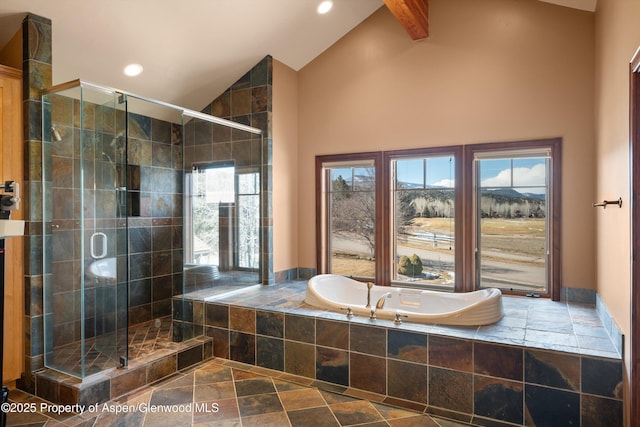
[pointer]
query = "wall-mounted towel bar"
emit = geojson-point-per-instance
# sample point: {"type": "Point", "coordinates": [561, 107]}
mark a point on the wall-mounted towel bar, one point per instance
{"type": "Point", "coordinates": [604, 203]}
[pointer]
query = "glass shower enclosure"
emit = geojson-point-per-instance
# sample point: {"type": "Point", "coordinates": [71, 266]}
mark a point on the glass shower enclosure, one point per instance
{"type": "Point", "coordinates": [120, 244]}
{"type": "Point", "coordinates": [85, 252]}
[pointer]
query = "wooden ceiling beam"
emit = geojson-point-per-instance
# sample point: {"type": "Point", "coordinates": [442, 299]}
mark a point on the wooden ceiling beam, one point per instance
{"type": "Point", "coordinates": [413, 15]}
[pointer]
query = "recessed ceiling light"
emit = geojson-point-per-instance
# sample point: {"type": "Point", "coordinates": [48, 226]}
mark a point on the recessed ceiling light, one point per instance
{"type": "Point", "coordinates": [324, 7]}
{"type": "Point", "coordinates": [132, 70]}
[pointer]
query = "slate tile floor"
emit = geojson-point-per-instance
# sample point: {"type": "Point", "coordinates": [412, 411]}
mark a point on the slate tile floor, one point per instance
{"type": "Point", "coordinates": [226, 393]}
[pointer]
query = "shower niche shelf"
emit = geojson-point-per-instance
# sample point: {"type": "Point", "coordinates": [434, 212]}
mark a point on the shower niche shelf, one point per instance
{"type": "Point", "coordinates": [133, 193]}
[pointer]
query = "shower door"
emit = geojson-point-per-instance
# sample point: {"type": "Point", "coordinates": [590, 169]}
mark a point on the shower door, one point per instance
{"type": "Point", "coordinates": [85, 213]}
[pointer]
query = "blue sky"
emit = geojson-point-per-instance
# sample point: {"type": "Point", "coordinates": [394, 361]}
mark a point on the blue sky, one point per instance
{"type": "Point", "coordinates": [527, 174]}
{"type": "Point", "coordinates": [440, 171]}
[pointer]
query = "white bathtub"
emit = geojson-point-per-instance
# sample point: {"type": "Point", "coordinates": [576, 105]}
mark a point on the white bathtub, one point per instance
{"type": "Point", "coordinates": [105, 269]}
{"type": "Point", "coordinates": [334, 292]}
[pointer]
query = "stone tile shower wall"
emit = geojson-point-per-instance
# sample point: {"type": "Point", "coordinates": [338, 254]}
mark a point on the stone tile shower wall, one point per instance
{"type": "Point", "coordinates": [83, 170]}
{"type": "Point", "coordinates": [155, 212]}
{"type": "Point", "coordinates": [247, 101]}
{"type": "Point", "coordinates": [155, 221]}
{"type": "Point", "coordinates": [37, 75]}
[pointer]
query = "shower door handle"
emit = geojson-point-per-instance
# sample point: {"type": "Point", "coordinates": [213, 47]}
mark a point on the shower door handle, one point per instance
{"type": "Point", "coordinates": [103, 253]}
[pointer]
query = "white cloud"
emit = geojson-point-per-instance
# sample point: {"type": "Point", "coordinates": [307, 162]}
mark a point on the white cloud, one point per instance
{"type": "Point", "coordinates": [447, 183]}
{"type": "Point", "coordinates": [533, 176]}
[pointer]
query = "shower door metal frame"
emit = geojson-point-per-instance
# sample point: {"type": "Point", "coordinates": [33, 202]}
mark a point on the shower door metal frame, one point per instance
{"type": "Point", "coordinates": [183, 110]}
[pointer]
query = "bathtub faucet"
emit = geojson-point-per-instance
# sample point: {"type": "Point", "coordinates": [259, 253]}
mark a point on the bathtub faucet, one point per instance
{"type": "Point", "coordinates": [379, 305]}
{"type": "Point", "coordinates": [382, 300]}
{"type": "Point", "coordinates": [369, 286]}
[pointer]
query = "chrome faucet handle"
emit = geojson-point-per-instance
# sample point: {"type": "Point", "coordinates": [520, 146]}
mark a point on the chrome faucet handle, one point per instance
{"type": "Point", "coordinates": [398, 319]}
{"type": "Point", "coordinates": [349, 311]}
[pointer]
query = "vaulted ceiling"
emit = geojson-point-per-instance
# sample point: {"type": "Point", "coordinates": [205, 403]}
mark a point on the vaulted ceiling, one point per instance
{"type": "Point", "coordinates": [191, 50]}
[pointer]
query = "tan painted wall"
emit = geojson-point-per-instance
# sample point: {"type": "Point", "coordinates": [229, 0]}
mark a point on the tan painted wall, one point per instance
{"type": "Point", "coordinates": [617, 38]}
{"type": "Point", "coordinates": [11, 53]}
{"type": "Point", "coordinates": [285, 175]}
{"type": "Point", "coordinates": [491, 70]}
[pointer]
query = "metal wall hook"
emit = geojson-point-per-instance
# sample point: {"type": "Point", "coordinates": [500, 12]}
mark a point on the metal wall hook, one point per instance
{"type": "Point", "coordinates": [604, 203]}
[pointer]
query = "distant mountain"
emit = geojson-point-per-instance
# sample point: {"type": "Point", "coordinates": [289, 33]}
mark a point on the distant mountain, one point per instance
{"type": "Point", "coordinates": [497, 193]}
{"type": "Point", "coordinates": [413, 186]}
{"type": "Point", "coordinates": [500, 194]}
{"type": "Point", "coordinates": [410, 186]}
{"type": "Point", "coordinates": [510, 193]}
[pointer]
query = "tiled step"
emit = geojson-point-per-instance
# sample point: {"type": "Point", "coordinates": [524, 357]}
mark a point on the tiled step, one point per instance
{"type": "Point", "coordinates": [159, 364]}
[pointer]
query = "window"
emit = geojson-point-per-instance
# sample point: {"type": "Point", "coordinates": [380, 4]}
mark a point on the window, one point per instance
{"type": "Point", "coordinates": [422, 194]}
{"type": "Point", "coordinates": [248, 220]}
{"type": "Point", "coordinates": [516, 203]}
{"type": "Point", "coordinates": [348, 202]}
{"type": "Point", "coordinates": [222, 217]}
{"type": "Point", "coordinates": [453, 218]}
{"type": "Point", "coordinates": [212, 193]}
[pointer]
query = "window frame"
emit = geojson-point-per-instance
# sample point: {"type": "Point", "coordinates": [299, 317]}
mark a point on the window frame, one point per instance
{"type": "Point", "coordinates": [323, 248]}
{"type": "Point", "coordinates": [235, 217]}
{"type": "Point", "coordinates": [389, 156]}
{"type": "Point", "coordinates": [555, 209]}
{"type": "Point", "coordinates": [465, 212]}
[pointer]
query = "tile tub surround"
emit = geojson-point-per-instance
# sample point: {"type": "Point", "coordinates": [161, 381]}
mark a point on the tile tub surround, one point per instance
{"type": "Point", "coordinates": [543, 361]}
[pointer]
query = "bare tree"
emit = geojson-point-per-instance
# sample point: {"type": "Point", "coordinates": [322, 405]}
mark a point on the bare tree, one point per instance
{"type": "Point", "coordinates": [353, 209]}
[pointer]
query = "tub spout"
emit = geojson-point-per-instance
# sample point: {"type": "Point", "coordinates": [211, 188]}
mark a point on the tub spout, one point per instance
{"type": "Point", "coordinates": [382, 300]}
{"type": "Point", "coordinates": [379, 305]}
{"type": "Point", "coordinates": [369, 286]}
